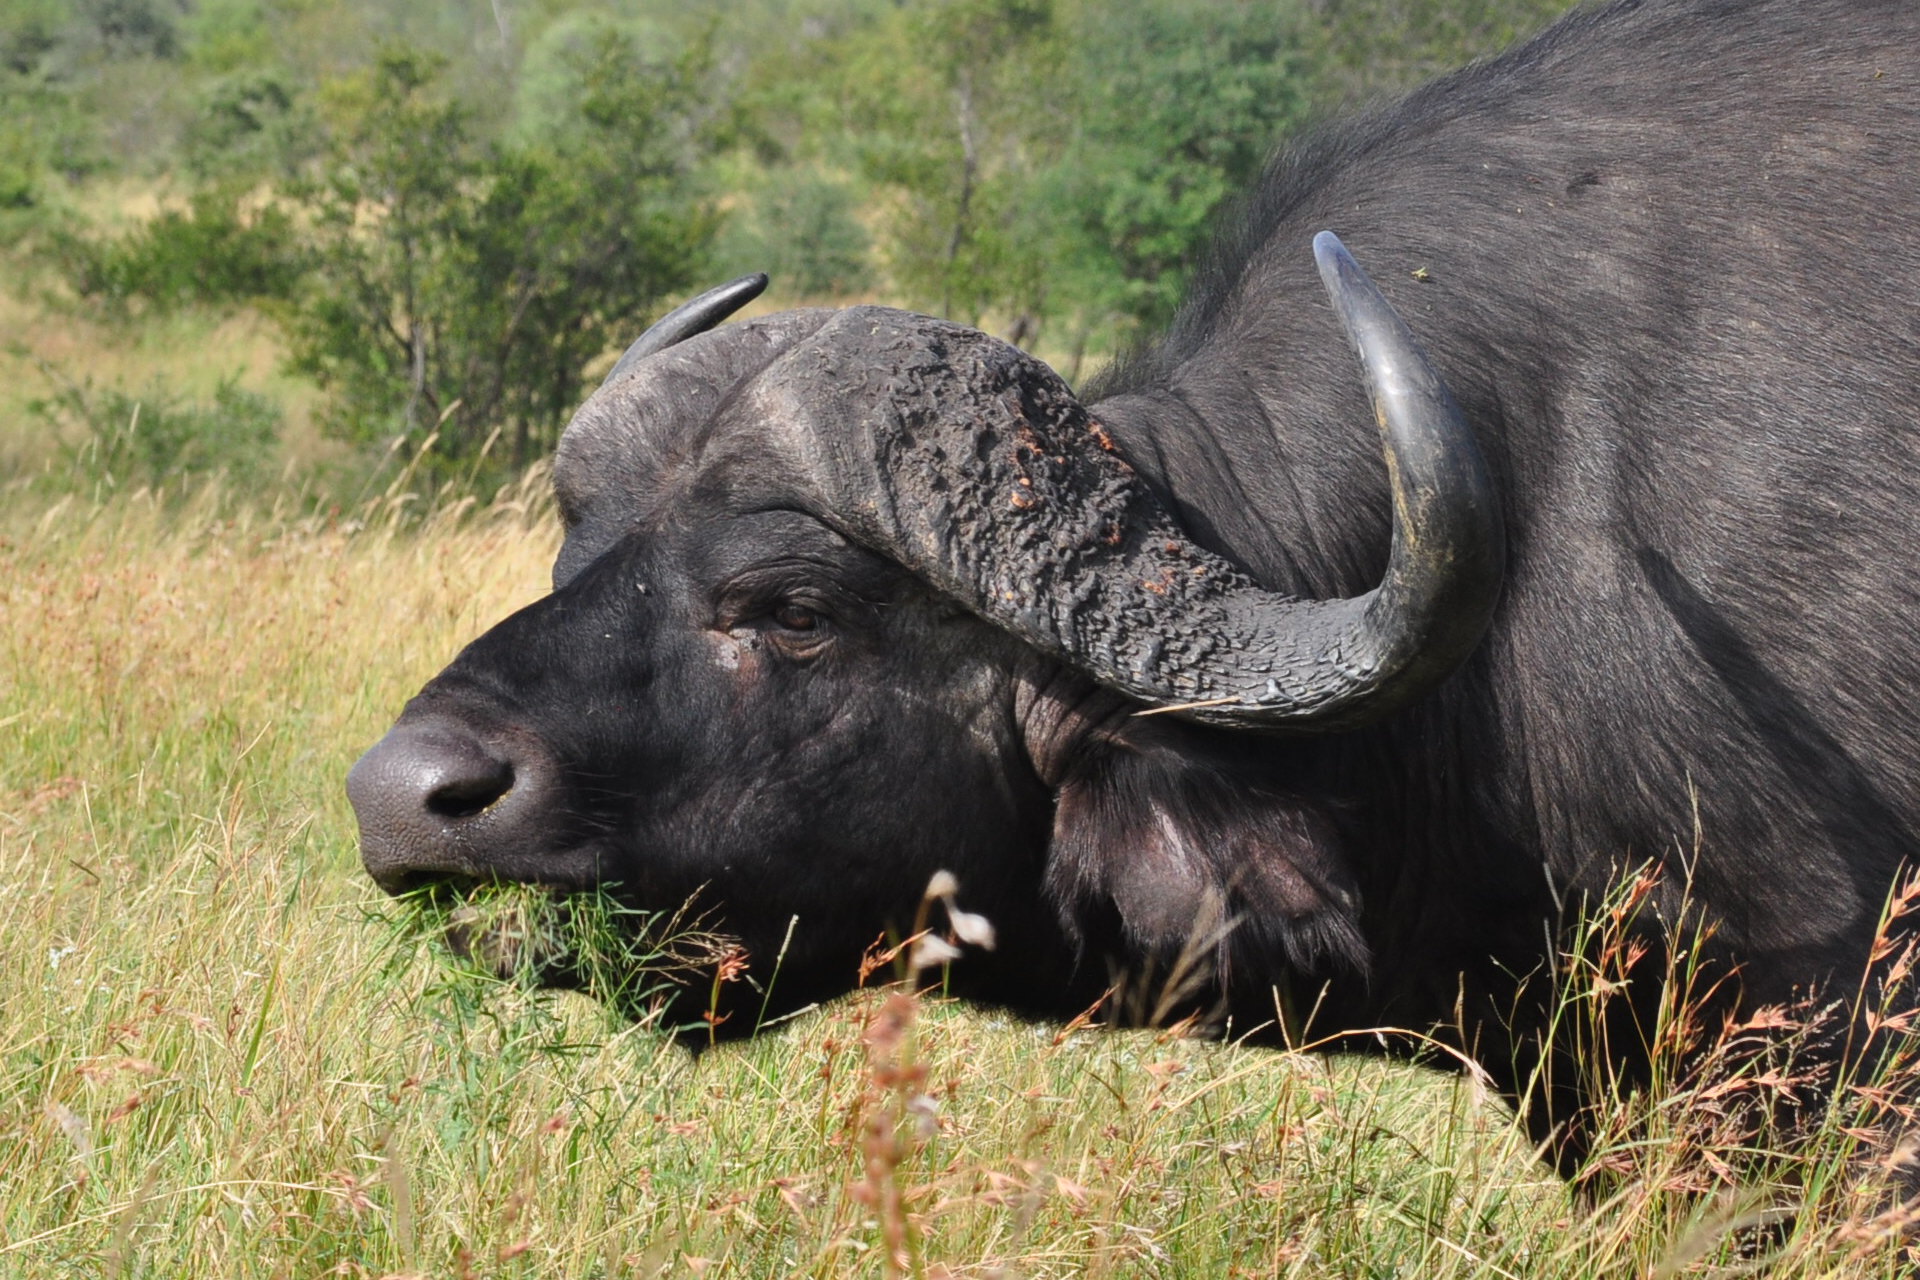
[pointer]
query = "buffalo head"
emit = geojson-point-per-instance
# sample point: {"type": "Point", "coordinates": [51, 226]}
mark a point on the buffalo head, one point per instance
{"type": "Point", "coordinates": [848, 598]}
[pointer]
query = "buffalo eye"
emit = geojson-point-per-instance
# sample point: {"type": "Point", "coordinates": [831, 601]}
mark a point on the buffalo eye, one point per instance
{"type": "Point", "coordinates": [795, 617]}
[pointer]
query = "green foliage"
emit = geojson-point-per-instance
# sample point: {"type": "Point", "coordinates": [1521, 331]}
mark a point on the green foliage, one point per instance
{"type": "Point", "coordinates": [546, 91]}
{"type": "Point", "coordinates": [386, 215]}
{"type": "Point", "coordinates": [119, 440]}
{"type": "Point", "coordinates": [226, 37]}
{"type": "Point", "coordinates": [19, 171]}
{"type": "Point", "coordinates": [1063, 162]}
{"type": "Point", "coordinates": [1052, 161]}
{"type": "Point", "coordinates": [802, 228]}
{"type": "Point", "coordinates": [218, 250]}
{"type": "Point", "coordinates": [1373, 46]}
{"type": "Point", "coordinates": [250, 123]}
{"type": "Point", "coordinates": [465, 287]}
{"type": "Point", "coordinates": [1160, 144]}
{"type": "Point", "coordinates": [936, 109]}
{"type": "Point", "coordinates": [43, 125]}
{"type": "Point", "coordinates": [135, 28]}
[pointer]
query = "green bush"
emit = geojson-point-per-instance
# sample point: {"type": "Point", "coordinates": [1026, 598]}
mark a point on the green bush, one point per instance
{"type": "Point", "coordinates": [16, 183]}
{"type": "Point", "coordinates": [1159, 145]}
{"type": "Point", "coordinates": [114, 438]}
{"type": "Point", "coordinates": [462, 288]}
{"type": "Point", "coordinates": [44, 125]}
{"type": "Point", "coordinates": [135, 28]}
{"type": "Point", "coordinates": [215, 251]}
{"type": "Point", "coordinates": [250, 123]}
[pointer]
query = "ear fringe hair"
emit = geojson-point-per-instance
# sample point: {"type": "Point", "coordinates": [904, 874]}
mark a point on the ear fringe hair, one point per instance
{"type": "Point", "coordinates": [1154, 842]}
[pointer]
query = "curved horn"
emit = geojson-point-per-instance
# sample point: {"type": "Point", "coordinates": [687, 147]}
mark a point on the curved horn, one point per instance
{"type": "Point", "coordinates": [694, 316]}
{"type": "Point", "coordinates": [1449, 548]}
{"type": "Point", "coordinates": [974, 466]}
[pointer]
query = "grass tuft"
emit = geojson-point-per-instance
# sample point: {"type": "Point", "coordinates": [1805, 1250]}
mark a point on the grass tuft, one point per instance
{"type": "Point", "coordinates": [219, 1056]}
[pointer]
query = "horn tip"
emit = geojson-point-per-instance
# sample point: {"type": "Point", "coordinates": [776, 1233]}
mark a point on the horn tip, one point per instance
{"type": "Point", "coordinates": [1337, 266]}
{"type": "Point", "coordinates": [749, 286]}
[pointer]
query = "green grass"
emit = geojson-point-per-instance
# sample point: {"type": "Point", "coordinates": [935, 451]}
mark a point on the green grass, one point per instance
{"type": "Point", "coordinates": [50, 343]}
{"type": "Point", "coordinates": [221, 1056]}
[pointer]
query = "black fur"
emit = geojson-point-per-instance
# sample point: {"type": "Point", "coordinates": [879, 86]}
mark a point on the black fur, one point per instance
{"type": "Point", "coordinates": [1665, 257]}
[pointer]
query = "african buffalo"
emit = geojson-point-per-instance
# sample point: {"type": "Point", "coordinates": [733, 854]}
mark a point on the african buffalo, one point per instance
{"type": "Point", "coordinates": [849, 597]}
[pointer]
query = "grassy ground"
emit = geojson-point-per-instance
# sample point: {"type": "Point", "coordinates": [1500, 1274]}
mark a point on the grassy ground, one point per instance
{"type": "Point", "coordinates": [217, 1060]}
{"type": "Point", "coordinates": [183, 355]}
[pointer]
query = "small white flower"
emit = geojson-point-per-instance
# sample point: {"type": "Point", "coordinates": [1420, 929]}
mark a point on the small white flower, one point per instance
{"type": "Point", "coordinates": [932, 950]}
{"type": "Point", "coordinates": [70, 1123]}
{"type": "Point", "coordinates": [971, 928]}
{"type": "Point", "coordinates": [943, 885]}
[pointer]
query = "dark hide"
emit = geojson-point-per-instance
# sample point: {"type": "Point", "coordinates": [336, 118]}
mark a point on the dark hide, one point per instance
{"type": "Point", "coordinates": [1664, 257]}
{"type": "Point", "coordinates": [1659, 256]}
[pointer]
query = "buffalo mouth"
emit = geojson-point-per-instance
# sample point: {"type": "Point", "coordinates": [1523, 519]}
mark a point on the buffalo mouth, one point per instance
{"type": "Point", "coordinates": [522, 933]}
{"type": "Point", "coordinates": [646, 966]}
{"type": "Point", "coordinates": [515, 933]}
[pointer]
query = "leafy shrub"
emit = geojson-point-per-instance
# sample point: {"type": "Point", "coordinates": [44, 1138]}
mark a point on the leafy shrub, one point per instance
{"type": "Point", "coordinates": [215, 251]}
{"type": "Point", "coordinates": [250, 123]}
{"type": "Point", "coordinates": [135, 28]}
{"type": "Point", "coordinates": [16, 182]}
{"type": "Point", "coordinates": [119, 439]}
{"type": "Point", "coordinates": [546, 97]}
{"type": "Point", "coordinates": [1161, 144]}
{"type": "Point", "coordinates": [463, 289]}
{"type": "Point", "coordinates": [45, 126]}
{"type": "Point", "coordinates": [224, 36]}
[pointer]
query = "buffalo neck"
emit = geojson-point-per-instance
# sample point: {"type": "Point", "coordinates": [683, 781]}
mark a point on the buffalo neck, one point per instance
{"type": "Point", "coordinates": [1304, 511]}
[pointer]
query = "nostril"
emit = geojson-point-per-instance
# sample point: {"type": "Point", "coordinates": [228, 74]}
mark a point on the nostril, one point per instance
{"type": "Point", "coordinates": [472, 791]}
{"type": "Point", "coordinates": [437, 798]}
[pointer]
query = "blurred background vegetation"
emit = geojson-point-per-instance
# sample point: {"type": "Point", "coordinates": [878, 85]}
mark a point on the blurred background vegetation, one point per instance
{"type": "Point", "coordinates": [318, 238]}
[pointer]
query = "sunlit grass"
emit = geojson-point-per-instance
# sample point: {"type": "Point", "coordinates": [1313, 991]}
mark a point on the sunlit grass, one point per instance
{"type": "Point", "coordinates": [221, 1054]}
{"type": "Point", "coordinates": [47, 343]}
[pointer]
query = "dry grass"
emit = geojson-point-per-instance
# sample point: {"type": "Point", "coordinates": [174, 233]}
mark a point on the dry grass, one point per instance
{"type": "Point", "coordinates": [46, 344]}
{"type": "Point", "coordinates": [216, 1060]}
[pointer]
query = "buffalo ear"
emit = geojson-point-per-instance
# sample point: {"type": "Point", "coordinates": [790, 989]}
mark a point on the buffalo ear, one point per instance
{"type": "Point", "coordinates": [1163, 832]}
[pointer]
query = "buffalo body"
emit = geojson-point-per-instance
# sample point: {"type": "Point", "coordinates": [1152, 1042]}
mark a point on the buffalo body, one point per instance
{"type": "Point", "coordinates": [847, 598]}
